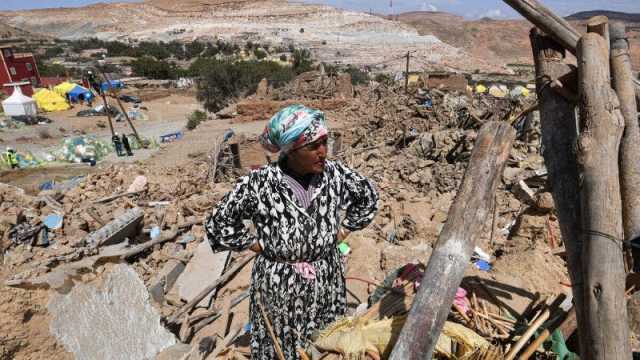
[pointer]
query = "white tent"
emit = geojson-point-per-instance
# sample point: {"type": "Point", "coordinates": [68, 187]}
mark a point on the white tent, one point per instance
{"type": "Point", "coordinates": [18, 104]}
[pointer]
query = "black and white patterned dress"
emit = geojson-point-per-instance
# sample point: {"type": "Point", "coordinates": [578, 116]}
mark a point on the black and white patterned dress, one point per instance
{"type": "Point", "coordinates": [289, 234]}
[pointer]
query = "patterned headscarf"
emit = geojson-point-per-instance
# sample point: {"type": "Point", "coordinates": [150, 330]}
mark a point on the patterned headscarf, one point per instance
{"type": "Point", "coordinates": [293, 127]}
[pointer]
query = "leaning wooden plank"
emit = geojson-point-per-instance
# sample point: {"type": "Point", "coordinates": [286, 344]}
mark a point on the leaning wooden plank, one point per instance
{"type": "Point", "coordinates": [221, 280]}
{"type": "Point", "coordinates": [452, 252]}
{"type": "Point", "coordinates": [559, 136]}
{"type": "Point", "coordinates": [621, 77]}
{"type": "Point", "coordinates": [598, 147]}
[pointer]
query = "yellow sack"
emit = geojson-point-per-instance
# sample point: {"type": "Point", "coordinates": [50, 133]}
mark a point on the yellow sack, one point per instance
{"type": "Point", "coordinates": [352, 337]}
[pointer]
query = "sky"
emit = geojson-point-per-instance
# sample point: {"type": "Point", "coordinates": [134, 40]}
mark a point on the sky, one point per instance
{"type": "Point", "coordinates": [472, 9]}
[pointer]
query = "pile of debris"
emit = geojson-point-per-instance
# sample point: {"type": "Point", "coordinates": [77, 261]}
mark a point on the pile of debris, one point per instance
{"type": "Point", "coordinates": [128, 241]}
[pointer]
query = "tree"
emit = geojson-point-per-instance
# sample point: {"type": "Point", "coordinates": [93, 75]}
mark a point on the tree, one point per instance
{"type": "Point", "coordinates": [301, 61]}
{"type": "Point", "coordinates": [154, 69]}
{"type": "Point", "coordinates": [259, 54]}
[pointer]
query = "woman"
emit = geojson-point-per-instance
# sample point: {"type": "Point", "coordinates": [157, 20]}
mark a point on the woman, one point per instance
{"type": "Point", "coordinates": [297, 207]}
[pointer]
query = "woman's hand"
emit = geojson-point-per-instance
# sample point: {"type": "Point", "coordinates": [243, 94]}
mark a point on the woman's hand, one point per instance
{"type": "Point", "coordinates": [256, 248]}
{"type": "Point", "coordinates": [343, 234]}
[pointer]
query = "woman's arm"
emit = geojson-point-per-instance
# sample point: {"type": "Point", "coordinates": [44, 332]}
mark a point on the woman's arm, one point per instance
{"type": "Point", "coordinates": [359, 198]}
{"type": "Point", "coordinates": [224, 228]}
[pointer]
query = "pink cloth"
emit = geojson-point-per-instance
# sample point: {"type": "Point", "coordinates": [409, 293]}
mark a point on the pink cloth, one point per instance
{"type": "Point", "coordinates": [305, 270]}
{"type": "Point", "coordinates": [461, 300]}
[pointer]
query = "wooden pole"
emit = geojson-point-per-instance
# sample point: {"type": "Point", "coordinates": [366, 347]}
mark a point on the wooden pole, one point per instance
{"type": "Point", "coordinates": [600, 25]}
{"type": "Point", "coordinates": [547, 21]}
{"type": "Point", "coordinates": [406, 74]}
{"type": "Point", "coordinates": [559, 136]}
{"type": "Point", "coordinates": [598, 147]}
{"type": "Point", "coordinates": [544, 335]}
{"type": "Point", "coordinates": [114, 94]}
{"type": "Point", "coordinates": [527, 335]}
{"type": "Point", "coordinates": [221, 280]}
{"type": "Point", "coordinates": [452, 253]}
{"type": "Point", "coordinates": [621, 77]}
{"type": "Point", "coordinates": [106, 110]}
{"type": "Point", "coordinates": [555, 26]}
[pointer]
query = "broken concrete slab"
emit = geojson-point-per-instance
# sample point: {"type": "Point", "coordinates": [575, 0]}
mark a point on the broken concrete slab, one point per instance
{"type": "Point", "coordinates": [112, 319]}
{"type": "Point", "coordinates": [164, 280]}
{"type": "Point", "coordinates": [204, 268]}
{"type": "Point", "coordinates": [125, 226]}
{"type": "Point", "coordinates": [175, 352]}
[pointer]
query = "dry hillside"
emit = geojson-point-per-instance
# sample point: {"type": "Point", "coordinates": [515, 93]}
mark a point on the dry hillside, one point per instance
{"type": "Point", "coordinates": [335, 36]}
{"type": "Point", "coordinates": [503, 41]}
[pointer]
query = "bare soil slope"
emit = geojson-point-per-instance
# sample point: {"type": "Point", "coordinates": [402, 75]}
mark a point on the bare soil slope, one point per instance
{"type": "Point", "coordinates": [504, 41]}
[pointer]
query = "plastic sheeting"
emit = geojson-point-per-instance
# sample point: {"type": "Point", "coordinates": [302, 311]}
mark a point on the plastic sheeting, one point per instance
{"type": "Point", "coordinates": [64, 88]}
{"type": "Point", "coordinates": [76, 92]}
{"type": "Point", "coordinates": [50, 101]}
{"type": "Point", "coordinates": [82, 148]}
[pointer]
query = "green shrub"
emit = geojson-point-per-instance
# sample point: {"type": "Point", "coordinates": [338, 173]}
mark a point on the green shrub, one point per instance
{"type": "Point", "coordinates": [259, 54]}
{"type": "Point", "coordinates": [357, 76]}
{"type": "Point", "coordinates": [154, 69]}
{"type": "Point", "coordinates": [221, 81]}
{"type": "Point", "coordinates": [195, 118]}
{"type": "Point", "coordinates": [301, 61]}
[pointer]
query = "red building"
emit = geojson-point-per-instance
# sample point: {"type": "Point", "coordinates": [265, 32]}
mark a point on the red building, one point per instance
{"type": "Point", "coordinates": [17, 67]}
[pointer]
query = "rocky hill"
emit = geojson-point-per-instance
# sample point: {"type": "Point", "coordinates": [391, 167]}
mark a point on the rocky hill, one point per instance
{"type": "Point", "coordinates": [612, 15]}
{"type": "Point", "coordinates": [334, 36]}
{"type": "Point", "coordinates": [439, 41]}
{"type": "Point", "coordinates": [504, 41]}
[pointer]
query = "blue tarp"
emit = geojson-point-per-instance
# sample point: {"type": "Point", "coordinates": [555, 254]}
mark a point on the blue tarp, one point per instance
{"type": "Point", "coordinates": [113, 84]}
{"type": "Point", "coordinates": [74, 94]}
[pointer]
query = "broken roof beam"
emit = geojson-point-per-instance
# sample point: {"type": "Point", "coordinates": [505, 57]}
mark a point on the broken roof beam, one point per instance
{"type": "Point", "coordinates": [452, 254]}
{"type": "Point", "coordinates": [126, 225]}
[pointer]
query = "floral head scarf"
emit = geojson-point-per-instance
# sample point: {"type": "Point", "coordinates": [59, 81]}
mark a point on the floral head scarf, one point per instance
{"type": "Point", "coordinates": [293, 127]}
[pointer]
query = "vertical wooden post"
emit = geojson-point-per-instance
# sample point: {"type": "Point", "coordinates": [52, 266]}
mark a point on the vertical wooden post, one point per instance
{"type": "Point", "coordinates": [599, 25]}
{"type": "Point", "coordinates": [114, 94]}
{"type": "Point", "coordinates": [559, 136]}
{"type": "Point", "coordinates": [452, 253]}
{"type": "Point", "coordinates": [106, 110]}
{"type": "Point", "coordinates": [621, 77]}
{"type": "Point", "coordinates": [406, 74]}
{"type": "Point", "coordinates": [598, 148]}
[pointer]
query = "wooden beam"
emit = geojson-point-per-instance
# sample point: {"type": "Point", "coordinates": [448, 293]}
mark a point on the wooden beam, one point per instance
{"type": "Point", "coordinates": [598, 147]}
{"type": "Point", "coordinates": [547, 21]}
{"type": "Point", "coordinates": [220, 281]}
{"type": "Point", "coordinates": [559, 136]}
{"type": "Point", "coordinates": [452, 254]}
{"type": "Point", "coordinates": [555, 26]}
{"type": "Point", "coordinates": [621, 77]}
{"type": "Point", "coordinates": [599, 25]}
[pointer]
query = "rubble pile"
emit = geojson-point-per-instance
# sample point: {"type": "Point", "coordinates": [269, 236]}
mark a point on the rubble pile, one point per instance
{"type": "Point", "coordinates": [128, 225]}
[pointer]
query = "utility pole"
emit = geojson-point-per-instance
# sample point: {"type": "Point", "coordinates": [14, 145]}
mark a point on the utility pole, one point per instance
{"type": "Point", "coordinates": [406, 74]}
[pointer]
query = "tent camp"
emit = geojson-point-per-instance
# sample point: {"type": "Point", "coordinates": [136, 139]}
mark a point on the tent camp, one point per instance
{"type": "Point", "coordinates": [64, 88]}
{"type": "Point", "coordinates": [77, 92]}
{"type": "Point", "coordinates": [48, 100]}
{"type": "Point", "coordinates": [112, 84]}
{"type": "Point", "coordinates": [18, 104]}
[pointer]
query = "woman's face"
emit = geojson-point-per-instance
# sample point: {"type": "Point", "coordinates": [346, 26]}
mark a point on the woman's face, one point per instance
{"type": "Point", "coordinates": [309, 159]}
